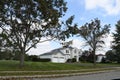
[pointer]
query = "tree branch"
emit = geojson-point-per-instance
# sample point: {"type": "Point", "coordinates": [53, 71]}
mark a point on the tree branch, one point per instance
{"type": "Point", "coordinates": [37, 43]}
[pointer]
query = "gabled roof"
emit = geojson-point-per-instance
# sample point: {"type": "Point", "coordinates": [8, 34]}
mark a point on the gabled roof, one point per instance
{"type": "Point", "coordinates": [56, 50]}
{"type": "Point", "coordinates": [52, 52]}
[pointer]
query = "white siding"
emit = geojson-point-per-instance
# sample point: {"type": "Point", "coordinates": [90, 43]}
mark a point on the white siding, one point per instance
{"type": "Point", "coordinates": [58, 58]}
{"type": "Point", "coordinates": [63, 54]}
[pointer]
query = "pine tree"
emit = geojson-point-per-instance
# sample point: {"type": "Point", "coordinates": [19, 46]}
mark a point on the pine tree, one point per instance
{"type": "Point", "coordinates": [116, 42]}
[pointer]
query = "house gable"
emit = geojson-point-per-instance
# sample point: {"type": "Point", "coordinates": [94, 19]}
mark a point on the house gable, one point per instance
{"type": "Point", "coordinates": [61, 55]}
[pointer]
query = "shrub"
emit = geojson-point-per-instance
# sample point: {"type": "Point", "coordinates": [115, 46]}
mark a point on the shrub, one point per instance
{"type": "Point", "coordinates": [71, 60]}
{"type": "Point", "coordinates": [35, 58]}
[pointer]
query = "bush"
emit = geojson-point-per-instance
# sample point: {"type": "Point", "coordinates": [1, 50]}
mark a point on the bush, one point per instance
{"type": "Point", "coordinates": [44, 60]}
{"type": "Point", "coordinates": [71, 60]}
{"type": "Point", "coordinates": [35, 58]}
{"type": "Point", "coordinates": [103, 60]}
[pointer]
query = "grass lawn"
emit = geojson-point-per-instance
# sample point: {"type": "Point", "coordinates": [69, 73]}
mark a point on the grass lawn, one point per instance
{"type": "Point", "coordinates": [36, 68]}
{"type": "Point", "coordinates": [9, 65]}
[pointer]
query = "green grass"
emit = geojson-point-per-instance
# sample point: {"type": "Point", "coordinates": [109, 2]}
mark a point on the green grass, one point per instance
{"type": "Point", "coordinates": [44, 68]}
{"type": "Point", "coordinates": [9, 65]}
{"type": "Point", "coordinates": [6, 65]}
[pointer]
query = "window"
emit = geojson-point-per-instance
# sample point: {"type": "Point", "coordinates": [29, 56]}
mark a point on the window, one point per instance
{"type": "Point", "coordinates": [75, 56]}
{"type": "Point", "coordinates": [75, 51]}
{"type": "Point", "coordinates": [67, 51]}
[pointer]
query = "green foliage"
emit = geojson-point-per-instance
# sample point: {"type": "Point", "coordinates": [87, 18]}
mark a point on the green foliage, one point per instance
{"type": "Point", "coordinates": [93, 34]}
{"type": "Point", "coordinates": [71, 60]}
{"type": "Point", "coordinates": [28, 21]}
{"type": "Point", "coordinates": [35, 58]}
{"type": "Point", "coordinates": [103, 60]}
{"type": "Point", "coordinates": [116, 42]}
{"type": "Point", "coordinates": [9, 55]}
{"type": "Point", "coordinates": [6, 55]}
{"type": "Point", "coordinates": [25, 22]}
{"type": "Point", "coordinates": [87, 56]}
{"type": "Point", "coordinates": [111, 56]}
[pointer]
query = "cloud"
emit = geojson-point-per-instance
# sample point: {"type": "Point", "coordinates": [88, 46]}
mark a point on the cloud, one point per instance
{"type": "Point", "coordinates": [41, 48]}
{"type": "Point", "coordinates": [48, 46]}
{"type": "Point", "coordinates": [111, 7]}
{"type": "Point", "coordinates": [78, 43]}
{"type": "Point", "coordinates": [108, 41]}
{"type": "Point", "coordinates": [107, 45]}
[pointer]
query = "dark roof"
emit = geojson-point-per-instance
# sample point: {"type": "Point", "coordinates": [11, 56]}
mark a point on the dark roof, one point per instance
{"type": "Point", "coordinates": [52, 52]}
{"type": "Point", "coordinates": [100, 55]}
{"type": "Point", "coordinates": [55, 50]}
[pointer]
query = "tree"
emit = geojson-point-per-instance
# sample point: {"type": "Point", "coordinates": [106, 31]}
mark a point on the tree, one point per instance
{"type": "Point", "coordinates": [116, 42]}
{"type": "Point", "coordinates": [90, 58]}
{"type": "Point", "coordinates": [6, 55]}
{"type": "Point", "coordinates": [25, 22]}
{"type": "Point", "coordinates": [110, 56]}
{"type": "Point", "coordinates": [93, 34]}
{"type": "Point", "coordinates": [87, 56]}
{"type": "Point", "coordinates": [84, 56]}
{"type": "Point", "coordinates": [1, 6]}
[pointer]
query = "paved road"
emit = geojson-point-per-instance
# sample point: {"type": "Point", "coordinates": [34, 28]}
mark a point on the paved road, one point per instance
{"type": "Point", "coordinates": [102, 76]}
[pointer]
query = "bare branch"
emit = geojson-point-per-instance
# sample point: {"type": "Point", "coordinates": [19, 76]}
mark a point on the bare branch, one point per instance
{"type": "Point", "coordinates": [37, 43]}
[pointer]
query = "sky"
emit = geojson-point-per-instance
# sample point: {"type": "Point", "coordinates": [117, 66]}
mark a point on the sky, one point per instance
{"type": "Point", "coordinates": [108, 11]}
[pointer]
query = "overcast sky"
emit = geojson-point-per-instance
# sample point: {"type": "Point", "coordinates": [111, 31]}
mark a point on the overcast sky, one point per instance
{"type": "Point", "coordinates": [108, 11]}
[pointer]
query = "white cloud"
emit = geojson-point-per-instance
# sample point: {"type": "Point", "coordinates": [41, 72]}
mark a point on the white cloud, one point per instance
{"type": "Point", "coordinates": [78, 43]}
{"type": "Point", "coordinates": [107, 45]}
{"type": "Point", "coordinates": [108, 41]}
{"type": "Point", "coordinates": [41, 48]}
{"type": "Point", "coordinates": [48, 46]}
{"type": "Point", "coordinates": [111, 7]}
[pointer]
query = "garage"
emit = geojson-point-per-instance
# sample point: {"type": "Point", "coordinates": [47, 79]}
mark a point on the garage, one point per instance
{"type": "Point", "coordinates": [58, 59]}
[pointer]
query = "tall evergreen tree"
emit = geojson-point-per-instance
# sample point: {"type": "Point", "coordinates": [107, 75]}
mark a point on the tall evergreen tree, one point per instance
{"type": "Point", "coordinates": [116, 42]}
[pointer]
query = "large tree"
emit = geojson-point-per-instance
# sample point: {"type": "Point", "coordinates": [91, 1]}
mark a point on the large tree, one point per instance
{"type": "Point", "coordinates": [111, 56]}
{"type": "Point", "coordinates": [93, 34]}
{"type": "Point", "coordinates": [25, 22]}
{"type": "Point", "coordinates": [116, 42]}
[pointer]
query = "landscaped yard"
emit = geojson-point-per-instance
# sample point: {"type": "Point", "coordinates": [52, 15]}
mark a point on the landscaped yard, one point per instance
{"type": "Point", "coordinates": [9, 65]}
{"type": "Point", "coordinates": [6, 65]}
{"type": "Point", "coordinates": [42, 68]}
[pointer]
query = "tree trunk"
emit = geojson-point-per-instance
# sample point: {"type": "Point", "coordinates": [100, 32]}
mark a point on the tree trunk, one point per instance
{"type": "Point", "coordinates": [21, 60]}
{"type": "Point", "coordinates": [94, 59]}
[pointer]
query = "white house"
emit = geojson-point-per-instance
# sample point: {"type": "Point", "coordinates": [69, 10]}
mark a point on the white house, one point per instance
{"type": "Point", "coordinates": [61, 55]}
{"type": "Point", "coordinates": [100, 57]}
